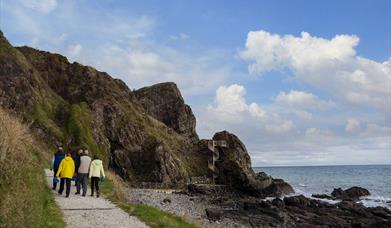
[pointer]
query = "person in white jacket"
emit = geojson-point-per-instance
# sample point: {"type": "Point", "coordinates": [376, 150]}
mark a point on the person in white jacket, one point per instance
{"type": "Point", "coordinates": [97, 174]}
{"type": "Point", "coordinates": [82, 175]}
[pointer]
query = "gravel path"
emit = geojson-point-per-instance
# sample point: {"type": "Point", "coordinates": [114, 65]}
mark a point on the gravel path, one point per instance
{"type": "Point", "coordinates": [91, 211]}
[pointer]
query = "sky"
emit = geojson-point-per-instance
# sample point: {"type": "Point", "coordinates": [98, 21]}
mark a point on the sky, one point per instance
{"type": "Point", "coordinates": [299, 82]}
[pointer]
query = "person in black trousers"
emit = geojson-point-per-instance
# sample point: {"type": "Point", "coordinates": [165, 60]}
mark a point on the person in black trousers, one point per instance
{"type": "Point", "coordinates": [66, 171]}
{"type": "Point", "coordinates": [96, 174]}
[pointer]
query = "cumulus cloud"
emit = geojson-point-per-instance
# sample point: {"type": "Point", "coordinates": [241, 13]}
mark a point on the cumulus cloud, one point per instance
{"type": "Point", "coordinates": [302, 99]}
{"type": "Point", "coordinates": [141, 66]}
{"type": "Point", "coordinates": [230, 106]}
{"type": "Point", "coordinates": [330, 64]}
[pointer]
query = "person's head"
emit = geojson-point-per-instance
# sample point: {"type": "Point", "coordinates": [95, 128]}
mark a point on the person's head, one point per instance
{"type": "Point", "coordinates": [80, 151]}
{"type": "Point", "coordinates": [60, 148]}
{"type": "Point", "coordinates": [68, 154]}
{"type": "Point", "coordinates": [86, 151]}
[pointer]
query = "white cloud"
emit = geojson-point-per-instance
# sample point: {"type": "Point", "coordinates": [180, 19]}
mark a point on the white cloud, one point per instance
{"type": "Point", "coordinates": [122, 45]}
{"type": "Point", "coordinates": [330, 64]}
{"type": "Point", "coordinates": [353, 126]}
{"type": "Point", "coordinates": [231, 107]}
{"type": "Point", "coordinates": [74, 50]}
{"type": "Point", "coordinates": [139, 66]}
{"type": "Point", "coordinates": [302, 99]}
{"type": "Point", "coordinates": [303, 114]}
{"type": "Point", "coordinates": [180, 36]}
{"type": "Point", "coordinates": [43, 6]}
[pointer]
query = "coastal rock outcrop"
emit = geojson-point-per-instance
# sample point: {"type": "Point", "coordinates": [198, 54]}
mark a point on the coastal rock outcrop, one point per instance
{"type": "Point", "coordinates": [353, 193]}
{"type": "Point", "coordinates": [234, 168]}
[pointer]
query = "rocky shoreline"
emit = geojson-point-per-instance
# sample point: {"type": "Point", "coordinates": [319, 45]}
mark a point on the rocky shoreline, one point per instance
{"type": "Point", "coordinates": [235, 209]}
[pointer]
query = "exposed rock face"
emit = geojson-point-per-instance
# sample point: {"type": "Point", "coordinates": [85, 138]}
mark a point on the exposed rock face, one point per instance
{"type": "Point", "coordinates": [146, 135]}
{"type": "Point", "coordinates": [17, 78]}
{"type": "Point", "coordinates": [164, 102]}
{"type": "Point", "coordinates": [235, 169]}
{"type": "Point", "coordinates": [78, 105]}
{"type": "Point", "coordinates": [353, 193]}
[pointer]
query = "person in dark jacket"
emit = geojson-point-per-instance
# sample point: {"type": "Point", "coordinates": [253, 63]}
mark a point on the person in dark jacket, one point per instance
{"type": "Point", "coordinates": [56, 160]}
{"type": "Point", "coordinates": [76, 159]}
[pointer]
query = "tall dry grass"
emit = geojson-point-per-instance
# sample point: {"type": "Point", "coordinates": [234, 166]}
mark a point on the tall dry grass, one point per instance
{"type": "Point", "coordinates": [25, 200]}
{"type": "Point", "coordinates": [15, 139]}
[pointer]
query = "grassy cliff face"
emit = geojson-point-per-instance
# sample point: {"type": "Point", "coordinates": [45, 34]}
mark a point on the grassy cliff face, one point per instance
{"type": "Point", "coordinates": [75, 105]}
{"type": "Point", "coordinates": [25, 199]}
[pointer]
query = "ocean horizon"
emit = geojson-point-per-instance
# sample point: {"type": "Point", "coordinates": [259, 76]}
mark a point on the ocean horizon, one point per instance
{"type": "Point", "coordinates": [308, 180]}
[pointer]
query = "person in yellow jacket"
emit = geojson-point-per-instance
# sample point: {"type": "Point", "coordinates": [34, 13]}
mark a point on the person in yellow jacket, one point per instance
{"type": "Point", "coordinates": [66, 171]}
{"type": "Point", "coordinates": [97, 174]}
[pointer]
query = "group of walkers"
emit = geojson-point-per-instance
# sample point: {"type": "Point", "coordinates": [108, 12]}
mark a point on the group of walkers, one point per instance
{"type": "Point", "coordinates": [78, 167]}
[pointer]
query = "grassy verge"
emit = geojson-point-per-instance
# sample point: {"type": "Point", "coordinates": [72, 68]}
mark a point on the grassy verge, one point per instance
{"type": "Point", "coordinates": [114, 190]}
{"type": "Point", "coordinates": [25, 199]}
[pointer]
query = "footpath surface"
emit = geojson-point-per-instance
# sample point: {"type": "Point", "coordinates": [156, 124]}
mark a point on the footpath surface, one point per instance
{"type": "Point", "coordinates": [91, 211]}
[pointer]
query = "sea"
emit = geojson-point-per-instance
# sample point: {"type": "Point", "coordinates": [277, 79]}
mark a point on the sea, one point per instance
{"type": "Point", "coordinates": [307, 180]}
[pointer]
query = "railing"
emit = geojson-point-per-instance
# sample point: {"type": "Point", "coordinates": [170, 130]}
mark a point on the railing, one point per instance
{"type": "Point", "coordinates": [214, 147]}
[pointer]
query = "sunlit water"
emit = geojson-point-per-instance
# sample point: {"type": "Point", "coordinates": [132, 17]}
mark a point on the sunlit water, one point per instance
{"type": "Point", "coordinates": [307, 180]}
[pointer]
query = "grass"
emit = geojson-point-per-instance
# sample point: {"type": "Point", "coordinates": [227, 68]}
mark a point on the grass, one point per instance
{"type": "Point", "coordinates": [79, 127]}
{"type": "Point", "coordinates": [25, 199]}
{"type": "Point", "coordinates": [114, 190]}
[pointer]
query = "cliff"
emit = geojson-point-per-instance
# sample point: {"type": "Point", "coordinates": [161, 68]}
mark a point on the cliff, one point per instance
{"type": "Point", "coordinates": [146, 135]}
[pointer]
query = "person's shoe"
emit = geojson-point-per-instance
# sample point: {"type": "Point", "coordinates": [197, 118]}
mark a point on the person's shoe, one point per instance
{"type": "Point", "coordinates": [54, 188]}
{"type": "Point", "coordinates": [77, 193]}
{"type": "Point", "coordinates": [60, 193]}
{"type": "Point", "coordinates": [66, 196]}
{"type": "Point", "coordinates": [83, 195]}
{"type": "Point", "coordinates": [92, 194]}
{"type": "Point", "coordinates": [97, 195]}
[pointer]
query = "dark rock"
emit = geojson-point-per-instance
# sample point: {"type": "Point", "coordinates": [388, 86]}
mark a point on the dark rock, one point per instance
{"type": "Point", "coordinates": [353, 193]}
{"type": "Point", "coordinates": [166, 200]}
{"type": "Point", "coordinates": [322, 196]}
{"type": "Point", "coordinates": [381, 212]}
{"type": "Point", "coordinates": [278, 188]}
{"type": "Point", "coordinates": [200, 189]}
{"type": "Point", "coordinates": [164, 102]}
{"type": "Point", "coordinates": [278, 203]}
{"type": "Point", "coordinates": [297, 201]}
{"type": "Point", "coordinates": [234, 168]}
{"type": "Point", "coordinates": [214, 214]}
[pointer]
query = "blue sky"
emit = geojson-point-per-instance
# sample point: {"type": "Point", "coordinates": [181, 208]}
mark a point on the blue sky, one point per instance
{"type": "Point", "coordinates": [300, 82]}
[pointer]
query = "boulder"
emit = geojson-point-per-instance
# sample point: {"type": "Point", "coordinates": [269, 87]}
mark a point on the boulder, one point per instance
{"type": "Point", "coordinates": [297, 201]}
{"type": "Point", "coordinates": [278, 188]}
{"type": "Point", "coordinates": [204, 189]}
{"type": "Point", "coordinates": [214, 214]}
{"type": "Point", "coordinates": [353, 193]}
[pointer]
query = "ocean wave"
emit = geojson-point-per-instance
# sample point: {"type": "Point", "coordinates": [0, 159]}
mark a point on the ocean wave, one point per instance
{"type": "Point", "coordinates": [369, 201]}
{"type": "Point", "coordinates": [375, 201]}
